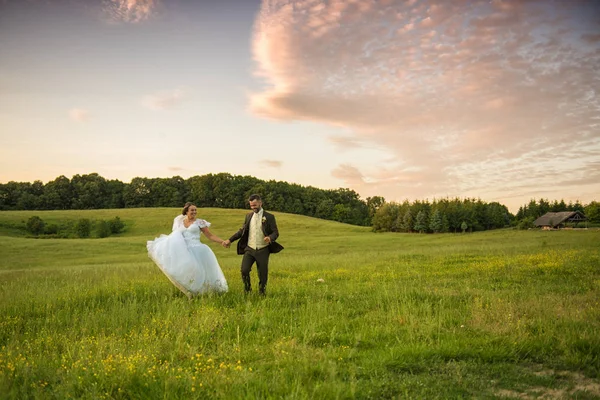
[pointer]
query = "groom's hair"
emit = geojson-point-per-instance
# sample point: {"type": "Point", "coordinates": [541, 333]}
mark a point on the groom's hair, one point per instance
{"type": "Point", "coordinates": [254, 197]}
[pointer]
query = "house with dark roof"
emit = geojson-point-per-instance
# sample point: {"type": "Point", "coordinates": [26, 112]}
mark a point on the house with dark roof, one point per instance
{"type": "Point", "coordinates": [557, 220]}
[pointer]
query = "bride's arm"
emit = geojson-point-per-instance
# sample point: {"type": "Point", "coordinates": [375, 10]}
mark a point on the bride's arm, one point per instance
{"type": "Point", "coordinates": [212, 236]}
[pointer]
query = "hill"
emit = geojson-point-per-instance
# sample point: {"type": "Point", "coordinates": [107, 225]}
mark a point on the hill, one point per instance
{"type": "Point", "coordinates": [501, 313]}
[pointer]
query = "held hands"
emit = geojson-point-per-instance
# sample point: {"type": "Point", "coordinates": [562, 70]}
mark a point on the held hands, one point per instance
{"type": "Point", "coordinates": [227, 243]}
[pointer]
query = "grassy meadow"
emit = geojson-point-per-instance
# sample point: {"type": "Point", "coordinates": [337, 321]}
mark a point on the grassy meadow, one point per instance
{"type": "Point", "coordinates": [500, 314]}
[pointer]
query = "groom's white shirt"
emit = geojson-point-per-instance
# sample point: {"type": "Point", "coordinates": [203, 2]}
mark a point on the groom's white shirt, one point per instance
{"type": "Point", "coordinates": [256, 237]}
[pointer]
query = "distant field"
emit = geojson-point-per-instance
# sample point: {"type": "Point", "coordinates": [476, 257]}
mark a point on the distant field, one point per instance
{"type": "Point", "coordinates": [499, 314]}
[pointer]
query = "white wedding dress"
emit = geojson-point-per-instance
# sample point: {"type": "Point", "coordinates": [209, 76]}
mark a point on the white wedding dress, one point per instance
{"type": "Point", "coordinates": [188, 263]}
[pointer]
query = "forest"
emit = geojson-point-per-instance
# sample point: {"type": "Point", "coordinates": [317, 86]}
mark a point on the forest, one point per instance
{"type": "Point", "coordinates": [223, 190]}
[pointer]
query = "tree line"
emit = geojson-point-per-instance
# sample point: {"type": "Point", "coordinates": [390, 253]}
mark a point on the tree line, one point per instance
{"type": "Point", "coordinates": [531, 211]}
{"type": "Point", "coordinates": [82, 228]}
{"type": "Point", "coordinates": [439, 216]}
{"type": "Point", "coordinates": [223, 190]}
{"type": "Point", "coordinates": [469, 214]}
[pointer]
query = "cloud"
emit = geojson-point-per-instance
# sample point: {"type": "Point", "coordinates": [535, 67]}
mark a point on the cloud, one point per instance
{"type": "Point", "coordinates": [129, 11]}
{"type": "Point", "coordinates": [345, 142]}
{"type": "Point", "coordinates": [349, 174]}
{"type": "Point", "coordinates": [165, 100]}
{"type": "Point", "coordinates": [457, 92]}
{"type": "Point", "coordinates": [271, 163]}
{"type": "Point", "coordinates": [176, 169]}
{"type": "Point", "coordinates": [79, 114]}
{"type": "Point", "coordinates": [591, 38]}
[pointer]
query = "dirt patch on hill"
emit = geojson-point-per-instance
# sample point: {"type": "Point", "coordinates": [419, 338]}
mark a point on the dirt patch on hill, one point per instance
{"type": "Point", "coordinates": [574, 384]}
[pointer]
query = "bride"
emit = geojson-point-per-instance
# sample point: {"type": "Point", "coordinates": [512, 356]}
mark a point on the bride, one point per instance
{"type": "Point", "coordinates": [188, 263]}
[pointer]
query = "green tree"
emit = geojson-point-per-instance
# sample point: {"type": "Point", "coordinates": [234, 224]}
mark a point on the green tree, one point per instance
{"type": "Point", "coordinates": [526, 223]}
{"type": "Point", "coordinates": [496, 215]}
{"type": "Point", "coordinates": [421, 222]}
{"type": "Point", "coordinates": [374, 203]}
{"type": "Point", "coordinates": [114, 194]}
{"type": "Point", "coordinates": [57, 194]}
{"type": "Point", "coordinates": [407, 222]}
{"type": "Point", "coordinates": [137, 193]}
{"type": "Point", "coordinates": [521, 213]}
{"type": "Point", "coordinates": [295, 206]}
{"type": "Point", "coordinates": [201, 190]}
{"type": "Point", "coordinates": [274, 199]}
{"type": "Point", "coordinates": [169, 192]}
{"type": "Point", "coordinates": [464, 226]}
{"type": "Point", "coordinates": [51, 229]}
{"type": "Point", "coordinates": [445, 224]}
{"type": "Point", "coordinates": [311, 198]}
{"type": "Point", "coordinates": [385, 218]}
{"type": "Point", "coordinates": [35, 225]}
{"type": "Point", "coordinates": [102, 229]}
{"type": "Point", "coordinates": [562, 206]}
{"type": "Point", "coordinates": [28, 201]}
{"type": "Point", "coordinates": [324, 209]}
{"type": "Point", "coordinates": [592, 212]}
{"type": "Point", "coordinates": [543, 206]}
{"type": "Point", "coordinates": [341, 213]}
{"type": "Point", "coordinates": [83, 228]}
{"type": "Point", "coordinates": [222, 189]}
{"type": "Point", "coordinates": [454, 212]}
{"type": "Point", "coordinates": [436, 223]}
{"type": "Point", "coordinates": [116, 225]}
{"type": "Point", "coordinates": [532, 209]}
{"type": "Point", "coordinates": [89, 191]}
{"type": "Point", "coordinates": [11, 193]}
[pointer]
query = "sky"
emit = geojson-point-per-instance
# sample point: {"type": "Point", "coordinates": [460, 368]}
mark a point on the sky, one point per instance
{"type": "Point", "coordinates": [406, 99]}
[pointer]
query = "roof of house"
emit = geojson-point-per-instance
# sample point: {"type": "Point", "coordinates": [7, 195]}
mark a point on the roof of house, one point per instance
{"type": "Point", "coordinates": [557, 218]}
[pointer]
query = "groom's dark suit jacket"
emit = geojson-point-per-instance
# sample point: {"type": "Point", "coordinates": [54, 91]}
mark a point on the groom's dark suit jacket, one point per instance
{"type": "Point", "coordinates": [269, 228]}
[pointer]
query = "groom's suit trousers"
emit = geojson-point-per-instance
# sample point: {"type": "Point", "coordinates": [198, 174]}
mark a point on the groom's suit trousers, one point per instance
{"type": "Point", "coordinates": [261, 257]}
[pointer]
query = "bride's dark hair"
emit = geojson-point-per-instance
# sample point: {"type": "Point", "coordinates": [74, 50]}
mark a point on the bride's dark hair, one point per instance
{"type": "Point", "coordinates": [186, 207]}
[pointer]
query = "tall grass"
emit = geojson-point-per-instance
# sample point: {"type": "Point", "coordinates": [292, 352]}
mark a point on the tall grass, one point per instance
{"type": "Point", "coordinates": [349, 314]}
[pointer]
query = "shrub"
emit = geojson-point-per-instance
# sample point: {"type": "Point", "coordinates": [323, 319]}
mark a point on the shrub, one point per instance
{"type": "Point", "coordinates": [116, 225]}
{"type": "Point", "coordinates": [526, 223]}
{"type": "Point", "coordinates": [83, 228]}
{"type": "Point", "coordinates": [51, 229]}
{"type": "Point", "coordinates": [103, 229]}
{"type": "Point", "coordinates": [35, 225]}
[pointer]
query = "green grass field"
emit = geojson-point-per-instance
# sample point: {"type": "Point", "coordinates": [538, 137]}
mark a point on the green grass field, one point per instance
{"type": "Point", "coordinates": [500, 314]}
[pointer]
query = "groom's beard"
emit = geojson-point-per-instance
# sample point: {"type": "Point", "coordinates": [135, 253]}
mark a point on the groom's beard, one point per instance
{"type": "Point", "coordinates": [256, 211]}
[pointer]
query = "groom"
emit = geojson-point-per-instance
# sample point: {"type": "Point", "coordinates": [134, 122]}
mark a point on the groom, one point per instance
{"type": "Point", "coordinates": [257, 241]}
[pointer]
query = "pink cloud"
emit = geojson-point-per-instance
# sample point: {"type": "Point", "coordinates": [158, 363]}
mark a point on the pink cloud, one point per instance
{"type": "Point", "coordinates": [455, 91]}
{"type": "Point", "coordinates": [165, 100]}
{"type": "Point", "coordinates": [348, 174]}
{"type": "Point", "coordinates": [79, 114]}
{"type": "Point", "coordinates": [132, 11]}
{"type": "Point", "coordinates": [271, 163]}
{"type": "Point", "coordinates": [591, 38]}
{"type": "Point", "coordinates": [345, 142]}
{"type": "Point", "coordinates": [427, 22]}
